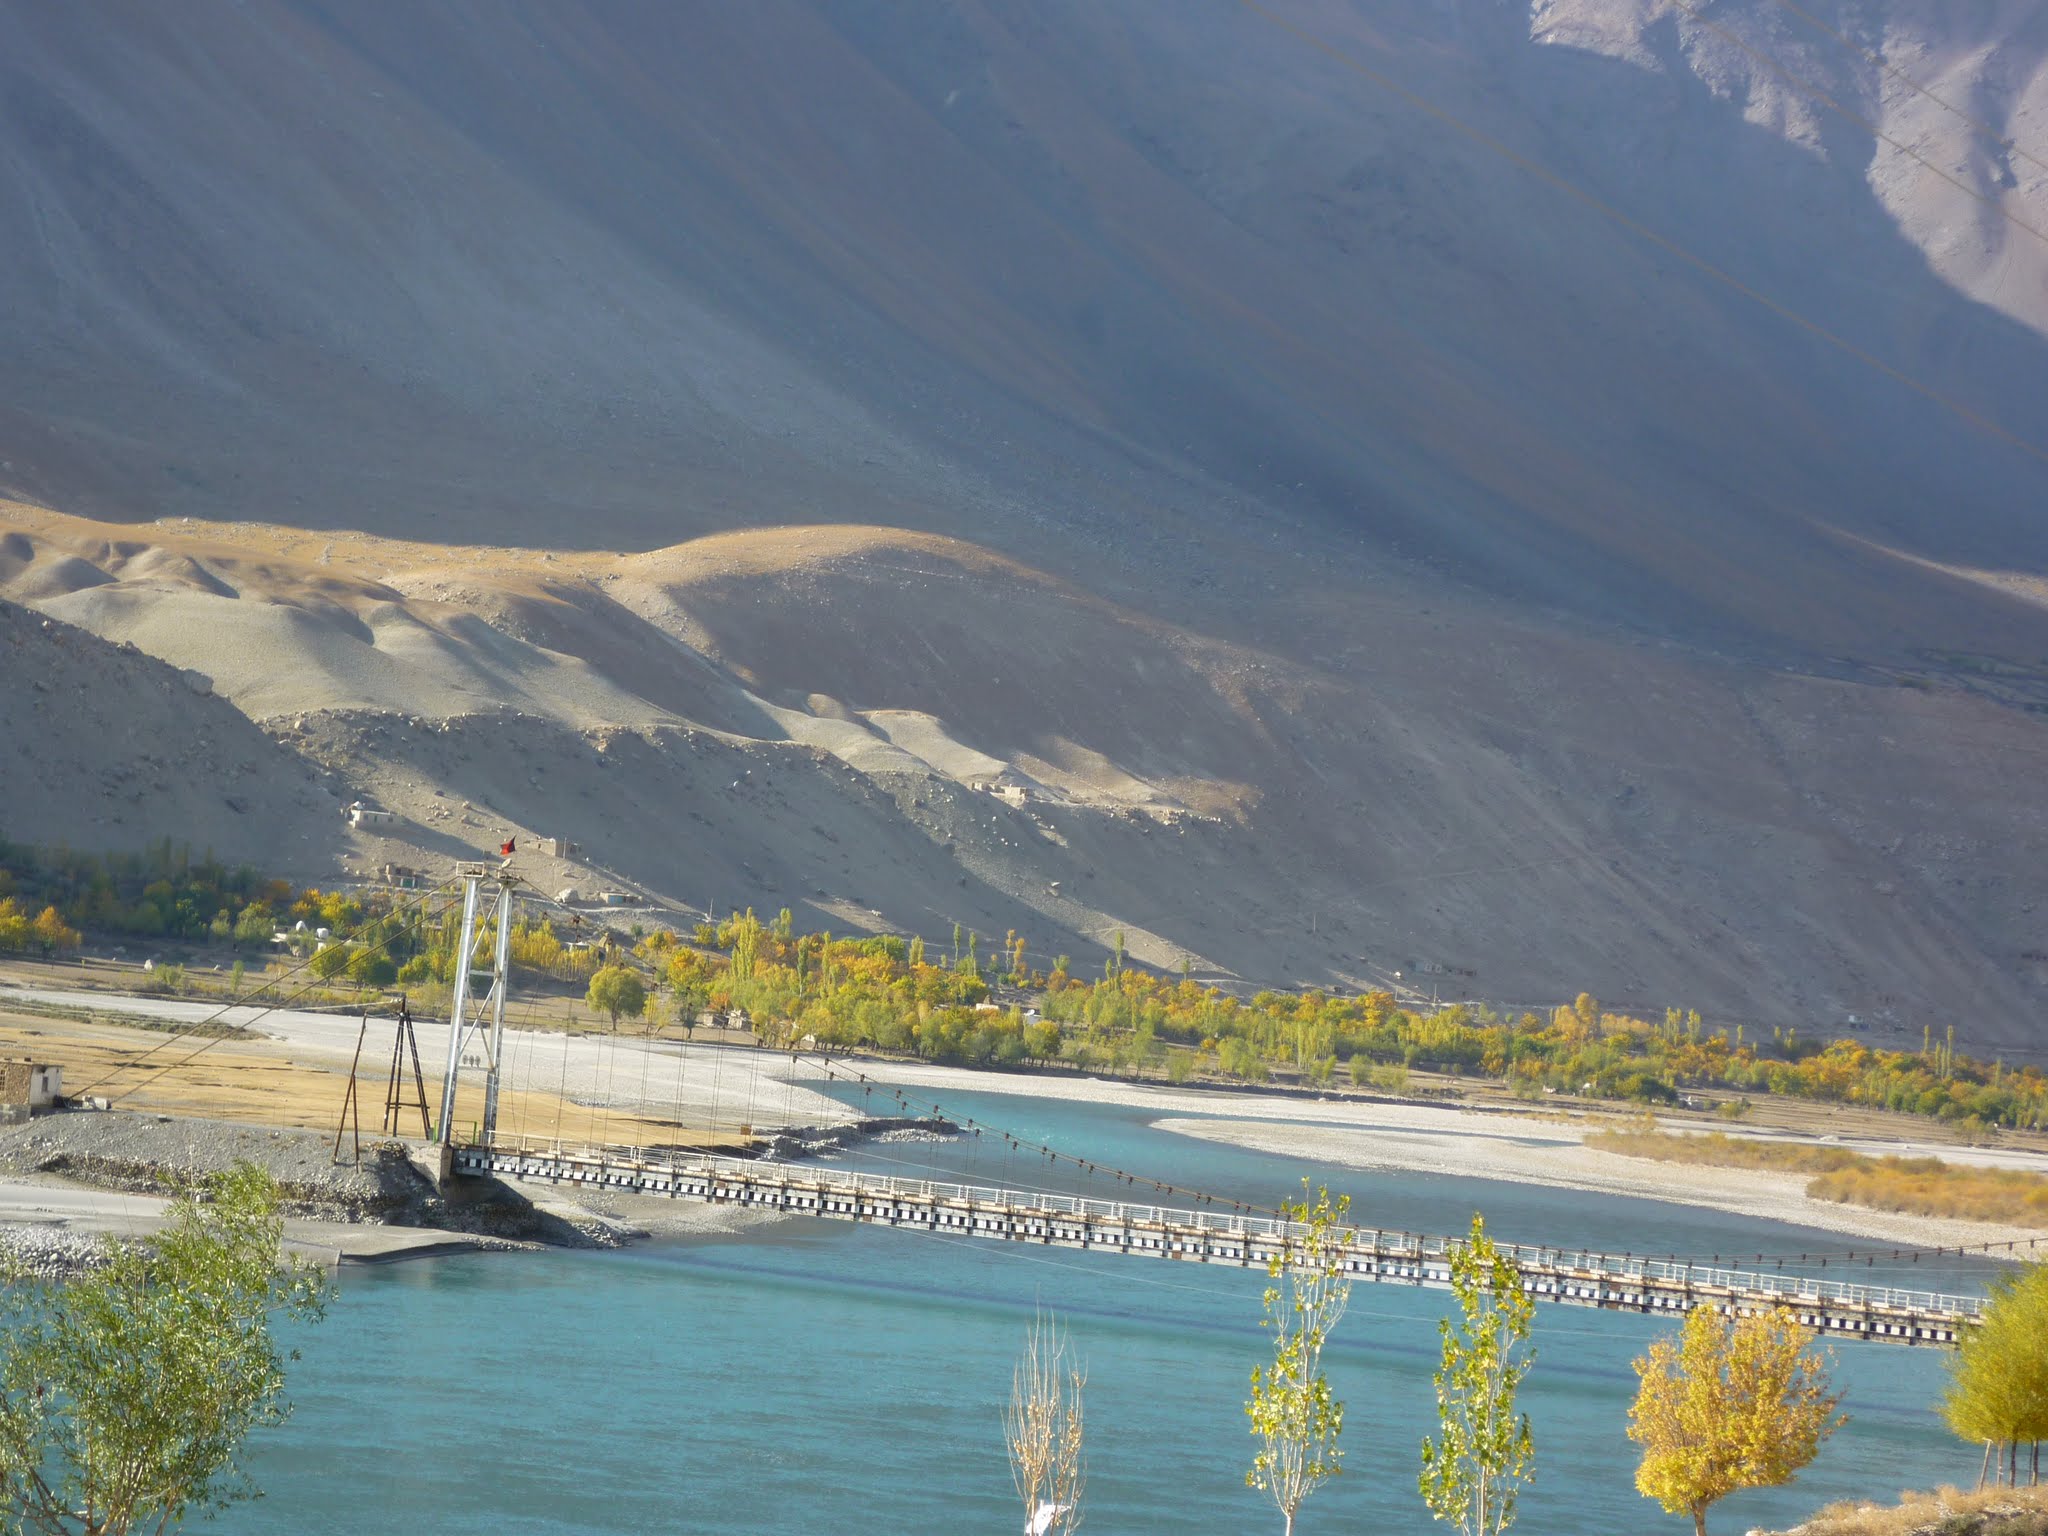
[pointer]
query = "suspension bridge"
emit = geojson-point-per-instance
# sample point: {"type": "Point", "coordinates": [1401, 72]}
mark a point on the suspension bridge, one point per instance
{"type": "Point", "coordinates": [1570, 1277]}
{"type": "Point", "coordinates": [1205, 1229]}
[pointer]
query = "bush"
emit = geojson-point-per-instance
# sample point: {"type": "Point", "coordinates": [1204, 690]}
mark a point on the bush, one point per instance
{"type": "Point", "coordinates": [166, 980]}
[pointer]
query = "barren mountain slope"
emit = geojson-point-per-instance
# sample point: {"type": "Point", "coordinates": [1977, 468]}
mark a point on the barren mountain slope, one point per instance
{"type": "Point", "coordinates": [898, 731]}
{"type": "Point", "coordinates": [725, 435]}
{"type": "Point", "coordinates": [105, 748]}
{"type": "Point", "coordinates": [1148, 293]}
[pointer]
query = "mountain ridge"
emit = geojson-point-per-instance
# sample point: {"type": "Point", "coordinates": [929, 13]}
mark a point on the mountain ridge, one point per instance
{"type": "Point", "coordinates": [1321, 514]}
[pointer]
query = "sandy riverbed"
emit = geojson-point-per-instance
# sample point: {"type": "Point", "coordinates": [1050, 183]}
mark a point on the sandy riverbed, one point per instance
{"type": "Point", "coordinates": [1533, 1147]}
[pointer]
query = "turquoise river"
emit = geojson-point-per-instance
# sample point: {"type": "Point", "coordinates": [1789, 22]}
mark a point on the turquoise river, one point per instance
{"type": "Point", "coordinates": [817, 1377]}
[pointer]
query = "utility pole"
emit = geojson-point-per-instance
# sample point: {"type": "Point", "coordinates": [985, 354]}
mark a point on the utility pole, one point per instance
{"type": "Point", "coordinates": [478, 1018]}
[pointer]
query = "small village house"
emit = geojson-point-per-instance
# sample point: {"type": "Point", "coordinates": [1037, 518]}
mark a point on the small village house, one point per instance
{"type": "Point", "coordinates": [27, 1086]}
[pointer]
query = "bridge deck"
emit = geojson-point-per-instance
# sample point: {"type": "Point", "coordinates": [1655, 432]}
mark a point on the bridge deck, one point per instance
{"type": "Point", "coordinates": [1839, 1308]}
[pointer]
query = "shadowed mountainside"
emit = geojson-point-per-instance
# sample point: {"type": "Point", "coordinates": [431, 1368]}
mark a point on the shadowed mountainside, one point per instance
{"type": "Point", "coordinates": [1310, 510]}
{"type": "Point", "coordinates": [107, 748]}
{"type": "Point", "coordinates": [823, 718]}
{"type": "Point", "coordinates": [1153, 283]}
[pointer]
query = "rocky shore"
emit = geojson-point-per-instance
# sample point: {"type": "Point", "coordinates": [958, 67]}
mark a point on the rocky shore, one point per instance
{"type": "Point", "coordinates": [153, 1156]}
{"type": "Point", "coordinates": [47, 1230]}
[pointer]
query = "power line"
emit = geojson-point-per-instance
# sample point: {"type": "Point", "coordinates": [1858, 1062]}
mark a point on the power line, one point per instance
{"type": "Point", "coordinates": [1858, 119]}
{"type": "Point", "coordinates": [2005, 145]}
{"type": "Point", "coordinates": [1643, 231]}
{"type": "Point", "coordinates": [228, 1007]}
{"type": "Point", "coordinates": [207, 1045]}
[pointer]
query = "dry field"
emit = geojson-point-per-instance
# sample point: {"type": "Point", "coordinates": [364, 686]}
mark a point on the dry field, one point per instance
{"type": "Point", "coordinates": [263, 1082]}
{"type": "Point", "coordinates": [1920, 1186]}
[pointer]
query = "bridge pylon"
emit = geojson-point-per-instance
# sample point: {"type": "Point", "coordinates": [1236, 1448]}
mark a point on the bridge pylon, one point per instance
{"type": "Point", "coordinates": [476, 1018]}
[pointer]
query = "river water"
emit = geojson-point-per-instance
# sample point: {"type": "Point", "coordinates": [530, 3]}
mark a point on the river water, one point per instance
{"type": "Point", "coordinates": [819, 1377]}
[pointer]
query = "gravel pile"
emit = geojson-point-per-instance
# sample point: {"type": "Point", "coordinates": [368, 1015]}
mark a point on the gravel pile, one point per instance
{"type": "Point", "coordinates": [143, 1153]}
{"type": "Point", "coordinates": [801, 1141]}
{"type": "Point", "coordinates": [48, 1253]}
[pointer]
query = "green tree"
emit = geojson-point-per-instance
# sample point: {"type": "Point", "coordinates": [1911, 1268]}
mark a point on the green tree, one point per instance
{"type": "Point", "coordinates": [256, 924]}
{"type": "Point", "coordinates": [1725, 1406]}
{"type": "Point", "coordinates": [126, 1394]}
{"type": "Point", "coordinates": [371, 968]}
{"type": "Point", "coordinates": [1295, 1417]}
{"type": "Point", "coordinates": [746, 945]}
{"type": "Point", "coordinates": [618, 991]}
{"type": "Point", "coordinates": [1472, 1476]}
{"type": "Point", "coordinates": [1998, 1377]}
{"type": "Point", "coordinates": [330, 961]}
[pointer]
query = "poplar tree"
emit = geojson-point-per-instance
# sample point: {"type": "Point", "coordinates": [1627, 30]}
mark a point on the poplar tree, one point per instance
{"type": "Point", "coordinates": [1471, 1477]}
{"type": "Point", "coordinates": [1295, 1416]}
{"type": "Point", "coordinates": [1726, 1406]}
{"type": "Point", "coordinates": [1998, 1378]}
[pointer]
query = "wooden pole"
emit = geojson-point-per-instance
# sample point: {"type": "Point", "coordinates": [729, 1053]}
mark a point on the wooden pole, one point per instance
{"type": "Point", "coordinates": [349, 1105]}
{"type": "Point", "coordinates": [392, 1079]}
{"type": "Point", "coordinates": [418, 1077]}
{"type": "Point", "coordinates": [404, 1041]}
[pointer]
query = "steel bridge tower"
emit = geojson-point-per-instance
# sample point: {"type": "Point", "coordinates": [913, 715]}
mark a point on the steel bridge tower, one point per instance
{"type": "Point", "coordinates": [477, 1017]}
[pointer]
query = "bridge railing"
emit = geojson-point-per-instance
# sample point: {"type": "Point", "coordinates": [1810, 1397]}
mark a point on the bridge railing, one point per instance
{"type": "Point", "coordinates": [1427, 1250]}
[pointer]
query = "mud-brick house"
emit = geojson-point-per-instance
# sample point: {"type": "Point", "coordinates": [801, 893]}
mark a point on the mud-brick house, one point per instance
{"type": "Point", "coordinates": [26, 1086]}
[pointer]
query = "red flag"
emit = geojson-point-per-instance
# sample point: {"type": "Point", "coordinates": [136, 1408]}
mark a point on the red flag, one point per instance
{"type": "Point", "coordinates": [507, 846]}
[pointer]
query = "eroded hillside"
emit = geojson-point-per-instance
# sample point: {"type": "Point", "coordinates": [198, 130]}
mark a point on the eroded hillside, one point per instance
{"type": "Point", "coordinates": [1534, 498]}
{"type": "Point", "coordinates": [899, 731]}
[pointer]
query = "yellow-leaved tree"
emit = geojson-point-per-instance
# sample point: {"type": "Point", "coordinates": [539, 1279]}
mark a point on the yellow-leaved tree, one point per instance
{"type": "Point", "coordinates": [1998, 1378]}
{"type": "Point", "coordinates": [1725, 1406]}
{"type": "Point", "coordinates": [1295, 1416]}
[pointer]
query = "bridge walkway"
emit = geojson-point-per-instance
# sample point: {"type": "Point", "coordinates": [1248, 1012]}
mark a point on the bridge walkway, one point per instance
{"type": "Point", "coordinates": [1834, 1307]}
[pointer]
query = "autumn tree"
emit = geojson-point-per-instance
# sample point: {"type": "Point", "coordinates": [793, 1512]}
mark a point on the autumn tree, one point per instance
{"type": "Point", "coordinates": [1471, 1475]}
{"type": "Point", "coordinates": [1295, 1416]}
{"type": "Point", "coordinates": [330, 961]}
{"type": "Point", "coordinates": [53, 934]}
{"type": "Point", "coordinates": [1042, 1426]}
{"type": "Point", "coordinates": [617, 990]}
{"type": "Point", "coordinates": [746, 945]}
{"type": "Point", "coordinates": [126, 1393]}
{"type": "Point", "coordinates": [1998, 1377]}
{"type": "Point", "coordinates": [1726, 1406]}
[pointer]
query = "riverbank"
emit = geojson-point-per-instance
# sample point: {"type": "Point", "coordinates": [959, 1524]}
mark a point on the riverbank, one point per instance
{"type": "Point", "coordinates": [1945, 1512]}
{"type": "Point", "coordinates": [69, 1180]}
{"type": "Point", "coordinates": [1533, 1146]}
{"type": "Point", "coordinates": [627, 1090]}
